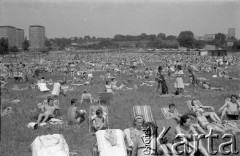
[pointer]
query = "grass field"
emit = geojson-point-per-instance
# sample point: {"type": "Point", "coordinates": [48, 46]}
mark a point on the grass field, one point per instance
{"type": "Point", "coordinates": [16, 137]}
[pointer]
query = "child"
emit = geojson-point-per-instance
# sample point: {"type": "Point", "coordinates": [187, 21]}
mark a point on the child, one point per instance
{"type": "Point", "coordinates": [98, 120]}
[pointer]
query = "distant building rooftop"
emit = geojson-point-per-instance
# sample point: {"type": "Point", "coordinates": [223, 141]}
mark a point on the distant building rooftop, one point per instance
{"type": "Point", "coordinates": [7, 26]}
{"type": "Point", "coordinates": [36, 26]}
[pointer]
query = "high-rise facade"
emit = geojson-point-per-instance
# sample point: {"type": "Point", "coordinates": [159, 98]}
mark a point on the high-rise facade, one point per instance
{"type": "Point", "coordinates": [231, 32]}
{"type": "Point", "coordinates": [37, 37]}
{"type": "Point", "coordinates": [8, 32]}
{"type": "Point", "coordinates": [19, 38]}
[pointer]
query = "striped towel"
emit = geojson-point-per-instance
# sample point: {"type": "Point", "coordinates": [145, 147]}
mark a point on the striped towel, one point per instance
{"type": "Point", "coordinates": [145, 111]}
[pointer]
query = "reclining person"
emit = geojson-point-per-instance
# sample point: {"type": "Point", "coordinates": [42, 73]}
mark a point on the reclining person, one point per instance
{"type": "Point", "coordinates": [199, 107]}
{"type": "Point", "coordinates": [171, 112]}
{"type": "Point", "coordinates": [230, 107]}
{"type": "Point", "coordinates": [47, 111]}
{"type": "Point", "coordinates": [98, 120]}
{"type": "Point", "coordinates": [208, 86]}
{"type": "Point", "coordinates": [75, 116]}
{"type": "Point", "coordinates": [215, 126]}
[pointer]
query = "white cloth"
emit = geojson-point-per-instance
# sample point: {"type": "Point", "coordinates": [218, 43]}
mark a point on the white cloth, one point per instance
{"type": "Point", "coordinates": [56, 89]}
{"type": "Point", "coordinates": [106, 149]}
{"type": "Point", "coordinates": [50, 145]}
{"type": "Point", "coordinates": [43, 87]}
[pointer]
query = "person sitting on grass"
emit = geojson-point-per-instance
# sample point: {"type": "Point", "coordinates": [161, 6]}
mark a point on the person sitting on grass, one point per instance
{"type": "Point", "coordinates": [47, 111]}
{"type": "Point", "coordinates": [108, 87]}
{"type": "Point", "coordinates": [86, 97]}
{"type": "Point", "coordinates": [98, 120]}
{"type": "Point", "coordinates": [197, 106]}
{"type": "Point", "coordinates": [230, 107]}
{"type": "Point", "coordinates": [75, 116]}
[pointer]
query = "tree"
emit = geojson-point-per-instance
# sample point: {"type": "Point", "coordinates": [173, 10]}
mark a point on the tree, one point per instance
{"type": "Point", "coordinates": [161, 36]}
{"type": "Point", "coordinates": [25, 44]}
{"type": "Point", "coordinates": [236, 46]}
{"type": "Point", "coordinates": [186, 39]}
{"type": "Point", "coordinates": [199, 44]}
{"type": "Point", "coordinates": [171, 37]}
{"type": "Point", "coordinates": [219, 40]}
{"type": "Point", "coordinates": [48, 44]}
{"type": "Point", "coordinates": [152, 37]}
{"type": "Point", "coordinates": [3, 46]}
{"type": "Point", "coordinates": [13, 49]}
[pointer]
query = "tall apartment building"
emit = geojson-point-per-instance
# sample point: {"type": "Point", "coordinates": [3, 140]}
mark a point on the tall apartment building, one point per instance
{"type": "Point", "coordinates": [37, 37]}
{"type": "Point", "coordinates": [9, 33]}
{"type": "Point", "coordinates": [19, 38]}
{"type": "Point", "coordinates": [231, 32]}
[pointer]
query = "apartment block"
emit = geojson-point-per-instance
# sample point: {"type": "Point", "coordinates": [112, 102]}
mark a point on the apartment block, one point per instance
{"type": "Point", "coordinates": [8, 32]}
{"type": "Point", "coordinates": [19, 38]}
{"type": "Point", "coordinates": [37, 37]}
{"type": "Point", "coordinates": [231, 32]}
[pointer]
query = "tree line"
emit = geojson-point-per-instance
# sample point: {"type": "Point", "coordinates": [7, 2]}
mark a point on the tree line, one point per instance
{"type": "Point", "coordinates": [161, 40]}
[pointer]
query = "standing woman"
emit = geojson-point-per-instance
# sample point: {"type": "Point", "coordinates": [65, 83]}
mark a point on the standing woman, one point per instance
{"type": "Point", "coordinates": [193, 76]}
{"type": "Point", "coordinates": [179, 80]}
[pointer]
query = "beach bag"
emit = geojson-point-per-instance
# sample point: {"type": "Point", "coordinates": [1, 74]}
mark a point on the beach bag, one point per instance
{"type": "Point", "coordinates": [50, 145]}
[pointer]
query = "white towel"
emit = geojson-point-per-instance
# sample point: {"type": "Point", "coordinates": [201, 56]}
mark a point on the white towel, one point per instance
{"type": "Point", "coordinates": [43, 87]}
{"type": "Point", "coordinates": [56, 89]}
{"type": "Point", "coordinates": [106, 149]}
{"type": "Point", "coordinates": [50, 145]}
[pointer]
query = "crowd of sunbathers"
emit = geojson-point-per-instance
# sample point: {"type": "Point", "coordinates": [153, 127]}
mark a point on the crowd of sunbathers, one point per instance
{"type": "Point", "coordinates": [135, 66]}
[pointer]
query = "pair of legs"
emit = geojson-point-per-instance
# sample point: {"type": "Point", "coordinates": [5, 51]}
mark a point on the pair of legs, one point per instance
{"type": "Point", "coordinates": [213, 116]}
{"type": "Point", "coordinates": [215, 128]}
{"type": "Point", "coordinates": [180, 90]}
{"type": "Point", "coordinates": [226, 111]}
{"type": "Point", "coordinates": [46, 115]}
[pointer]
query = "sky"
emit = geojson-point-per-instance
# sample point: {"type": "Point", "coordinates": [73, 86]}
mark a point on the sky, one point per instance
{"type": "Point", "coordinates": [106, 18]}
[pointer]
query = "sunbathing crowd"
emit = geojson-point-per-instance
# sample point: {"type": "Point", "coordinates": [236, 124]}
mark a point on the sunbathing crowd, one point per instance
{"type": "Point", "coordinates": [81, 67]}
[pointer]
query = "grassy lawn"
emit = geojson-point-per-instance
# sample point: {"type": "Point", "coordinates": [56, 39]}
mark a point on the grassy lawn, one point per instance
{"type": "Point", "coordinates": [16, 137]}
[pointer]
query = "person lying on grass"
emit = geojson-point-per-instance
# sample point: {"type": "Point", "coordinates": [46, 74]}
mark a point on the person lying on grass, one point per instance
{"type": "Point", "coordinates": [47, 111]}
{"type": "Point", "coordinates": [98, 120]}
{"type": "Point", "coordinates": [205, 85]}
{"type": "Point", "coordinates": [75, 116]}
{"type": "Point", "coordinates": [197, 106]}
{"type": "Point", "coordinates": [230, 107]}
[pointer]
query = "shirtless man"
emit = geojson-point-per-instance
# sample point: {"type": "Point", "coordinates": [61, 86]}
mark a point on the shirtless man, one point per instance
{"type": "Point", "coordinates": [185, 131]}
{"type": "Point", "coordinates": [230, 107]}
{"type": "Point", "coordinates": [86, 97]}
{"type": "Point", "coordinates": [75, 116]}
